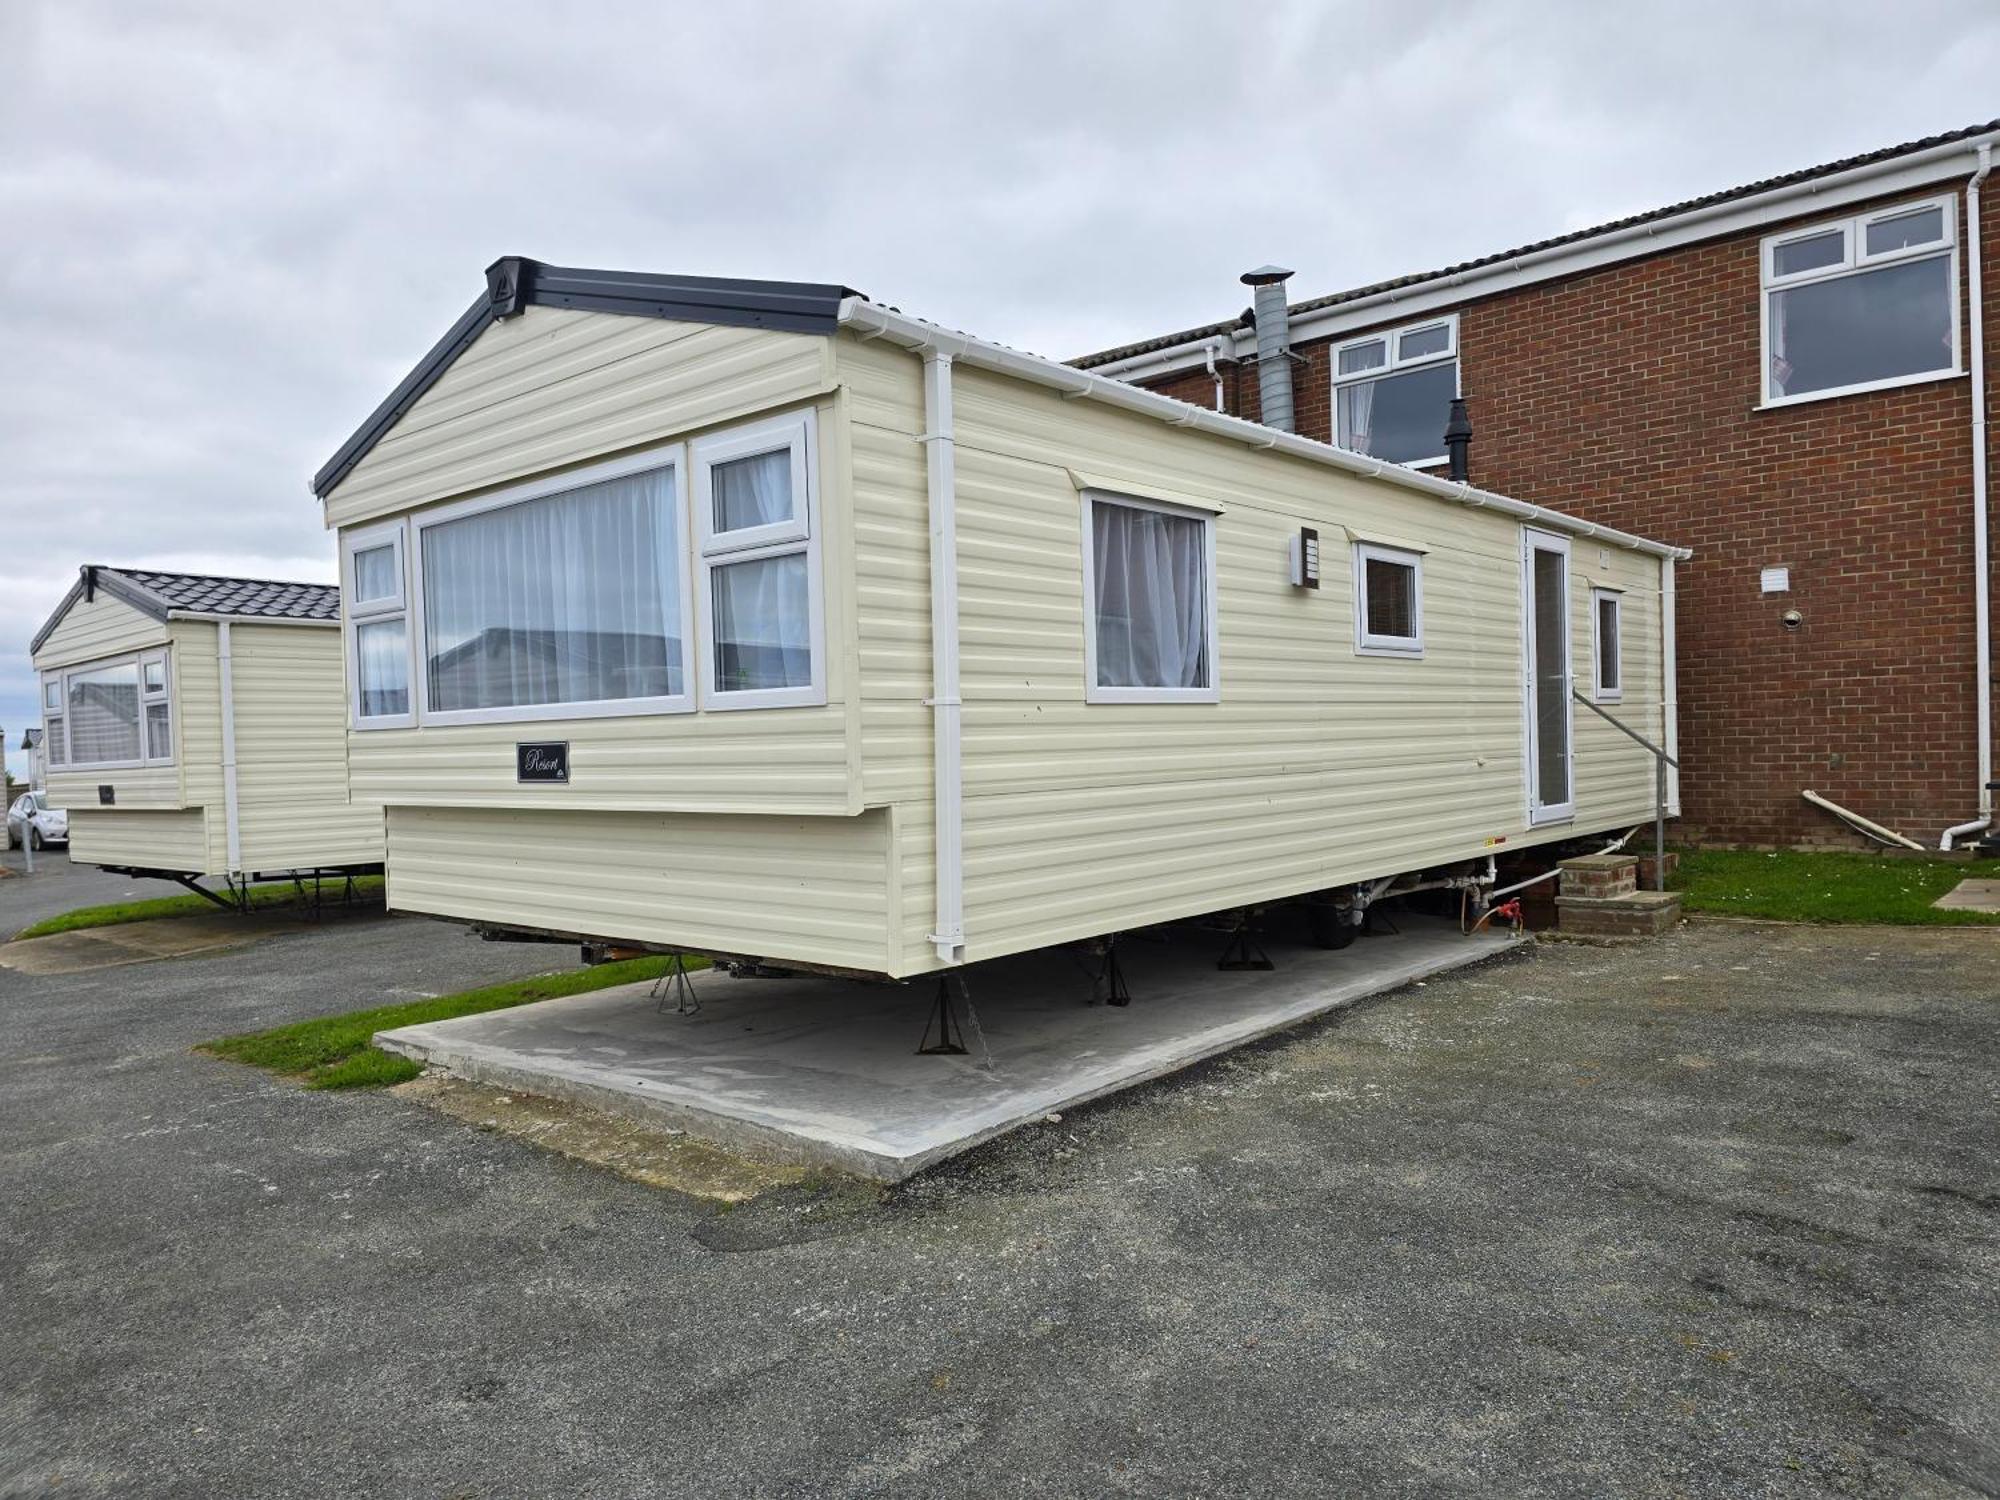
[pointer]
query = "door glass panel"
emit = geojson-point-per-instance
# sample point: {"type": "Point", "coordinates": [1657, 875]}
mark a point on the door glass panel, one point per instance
{"type": "Point", "coordinates": [1551, 660]}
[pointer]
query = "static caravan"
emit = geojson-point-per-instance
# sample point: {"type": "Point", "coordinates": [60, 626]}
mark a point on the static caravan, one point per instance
{"type": "Point", "coordinates": [196, 727]}
{"type": "Point", "coordinates": [762, 620]}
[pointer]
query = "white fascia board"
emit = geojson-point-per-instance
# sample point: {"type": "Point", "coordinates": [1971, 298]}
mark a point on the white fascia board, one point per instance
{"type": "Point", "coordinates": [874, 320]}
{"type": "Point", "coordinates": [1921, 169]}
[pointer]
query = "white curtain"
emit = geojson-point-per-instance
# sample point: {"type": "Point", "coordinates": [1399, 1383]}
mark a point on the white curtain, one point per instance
{"type": "Point", "coordinates": [752, 491]}
{"type": "Point", "coordinates": [382, 654]}
{"type": "Point", "coordinates": [574, 598]}
{"type": "Point", "coordinates": [1151, 581]}
{"type": "Point", "coordinates": [104, 714]}
{"type": "Point", "coordinates": [763, 624]}
{"type": "Point", "coordinates": [1781, 368]}
{"type": "Point", "coordinates": [1357, 406]}
{"type": "Point", "coordinates": [375, 574]}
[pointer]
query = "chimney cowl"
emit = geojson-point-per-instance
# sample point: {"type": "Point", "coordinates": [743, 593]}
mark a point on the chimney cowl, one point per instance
{"type": "Point", "coordinates": [1272, 317]}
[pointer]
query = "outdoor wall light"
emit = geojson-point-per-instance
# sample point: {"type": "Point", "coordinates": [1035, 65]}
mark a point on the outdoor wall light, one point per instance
{"type": "Point", "coordinates": [1305, 559]}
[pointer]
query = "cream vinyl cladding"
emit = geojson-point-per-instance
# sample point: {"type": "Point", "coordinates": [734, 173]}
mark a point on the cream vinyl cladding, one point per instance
{"type": "Point", "coordinates": [746, 830]}
{"type": "Point", "coordinates": [292, 791]}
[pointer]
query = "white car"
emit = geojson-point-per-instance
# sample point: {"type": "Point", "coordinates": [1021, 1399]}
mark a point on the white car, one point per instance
{"type": "Point", "coordinates": [33, 819]}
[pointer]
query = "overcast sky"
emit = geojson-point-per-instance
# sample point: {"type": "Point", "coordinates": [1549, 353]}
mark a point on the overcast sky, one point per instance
{"type": "Point", "coordinates": [226, 230]}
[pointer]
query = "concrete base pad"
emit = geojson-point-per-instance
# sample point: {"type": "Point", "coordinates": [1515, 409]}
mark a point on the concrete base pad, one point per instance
{"type": "Point", "coordinates": [825, 1071]}
{"type": "Point", "coordinates": [1971, 895]}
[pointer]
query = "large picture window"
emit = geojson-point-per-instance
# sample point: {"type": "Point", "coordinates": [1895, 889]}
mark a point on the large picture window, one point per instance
{"type": "Point", "coordinates": [1149, 595]}
{"type": "Point", "coordinates": [109, 714]}
{"type": "Point", "coordinates": [1861, 303]}
{"type": "Point", "coordinates": [760, 587]}
{"type": "Point", "coordinates": [1392, 391]}
{"type": "Point", "coordinates": [571, 599]}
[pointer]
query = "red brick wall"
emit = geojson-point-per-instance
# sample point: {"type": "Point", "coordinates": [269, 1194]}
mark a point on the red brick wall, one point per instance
{"type": "Point", "coordinates": [1628, 395]}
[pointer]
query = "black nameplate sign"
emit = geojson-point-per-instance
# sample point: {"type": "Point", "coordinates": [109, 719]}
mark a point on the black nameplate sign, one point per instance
{"type": "Point", "coordinates": [106, 797]}
{"type": "Point", "coordinates": [541, 760]}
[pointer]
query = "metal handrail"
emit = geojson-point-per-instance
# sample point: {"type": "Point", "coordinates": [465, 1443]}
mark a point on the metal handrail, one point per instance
{"type": "Point", "coordinates": [1661, 760]}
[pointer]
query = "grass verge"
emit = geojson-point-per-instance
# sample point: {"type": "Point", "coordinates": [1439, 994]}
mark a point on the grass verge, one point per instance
{"type": "Point", "coordinates": [1789, 886]}
{"type": "Point", "coordinates": [262, 898]}
{"type": "Point", "coordinates": [336, 1052]}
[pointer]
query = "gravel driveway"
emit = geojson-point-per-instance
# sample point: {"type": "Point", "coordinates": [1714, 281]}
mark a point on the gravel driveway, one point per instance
{"type": "Point", "coordinates": [1715, 1216]}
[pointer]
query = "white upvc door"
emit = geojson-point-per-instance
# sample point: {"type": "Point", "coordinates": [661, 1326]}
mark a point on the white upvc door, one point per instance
{"type": "Point", "coordinates": [1547, 676]}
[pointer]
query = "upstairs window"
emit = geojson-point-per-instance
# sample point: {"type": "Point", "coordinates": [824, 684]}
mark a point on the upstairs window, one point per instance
{"type": "Point", "coordinates": [1861, 303]}
{"type": "Point", "coordinates": [1388, 601]}
{"type": "Point", "coordinates": [1149, 600]}
{"type": "Point", "coordinates": [1392, 392]}
{"type": "Point", "coordinates": [1607, 623]}
{"type": "Point", "coordinates": [760, 583]}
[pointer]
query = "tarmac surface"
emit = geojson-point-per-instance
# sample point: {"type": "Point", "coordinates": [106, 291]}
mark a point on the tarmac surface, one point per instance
{"type": "Point", "coordinates": [1714, 1216]}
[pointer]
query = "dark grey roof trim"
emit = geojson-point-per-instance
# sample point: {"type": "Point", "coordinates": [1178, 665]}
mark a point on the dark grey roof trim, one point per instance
{"type": "Point", "coordinates": [514, 283]}
{"type": "Point", "coordinates": [165, 595]}
{"type": "Point", "coordinates": [1397, 283]}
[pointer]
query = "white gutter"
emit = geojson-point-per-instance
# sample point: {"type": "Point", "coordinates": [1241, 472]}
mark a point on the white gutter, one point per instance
{"type": "Point", "coordinates": [232, 829]}
{"type": "Point", "coordinates": [914, 333]}
{"type": "Point", "coordinates": [947, 745]}
{"type": "Point", "coordinates": [215, 619]}
{"type": "Point", "coordinates": [1981, 562]}
{"type": "Point", "coordinates": [1834, 190]}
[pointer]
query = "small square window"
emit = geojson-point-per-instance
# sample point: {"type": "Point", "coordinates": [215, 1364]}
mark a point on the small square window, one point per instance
{"type": "Point", "coordinates": [1419, 342]}
{"type": "Point", "coordinates": [1369, 356]}
{"type": "Point", "coordinates": [1809, 254]}
{"type": "Point", "coordinates": [156, 676]}
{"type": "Point", "coordinates": [1388, 601]}
{"type": "Point", "coordinates": [52, 694]}
{"type": "Point", "coordinates": [754, 491]}
{"type": "Point", "coordinates": [375, 574]}
{"type": "Point", "coordinates": [1924, 226]}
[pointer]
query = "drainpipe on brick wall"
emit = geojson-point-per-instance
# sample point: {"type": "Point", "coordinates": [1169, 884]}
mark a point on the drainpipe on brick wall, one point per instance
{"type": "Point", "coordinates": [1982, 602]}
{"type": "Point", "coordinates": [1210, 352]}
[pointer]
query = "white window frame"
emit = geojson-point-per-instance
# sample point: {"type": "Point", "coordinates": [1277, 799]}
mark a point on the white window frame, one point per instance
{"type": "Point", "coordinates": [520, 494]}
{"type": "Point", "coordinates": [1854, 260]}
{"type": "Point", "coordinates": [1092, 692]}
{"type": "Point", "coordinates": [797, 433]}
{"type": "Point", "coordinates": [1599, 597]}
{"type": "Point", "coordinates": [1366, 642]}
{"type": "Point", "coordinates": [1392, 341]}
{"type": "Point", "coordinates": [1539, 812]}
{"type": "Point", "coordinates": [150, 699]}
{"type": "Point", "coordinates": [137, 660]}
{"type": "Point", "coordinates": [355, 615]}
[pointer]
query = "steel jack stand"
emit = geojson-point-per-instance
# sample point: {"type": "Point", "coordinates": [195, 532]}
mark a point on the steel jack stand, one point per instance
{"type": "Point", "coordinates": [950, 1042]}
{"type": "Point", "coordinates": [1244, 951]}
{"type": "Point", "coordinates": [1108, 986]}
{"type": "Point", "coordinates": [675, 983]}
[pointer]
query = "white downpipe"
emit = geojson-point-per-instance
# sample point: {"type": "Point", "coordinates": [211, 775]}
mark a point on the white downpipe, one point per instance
{"type": "Point", "coordinates": [1872, 829]}
{"type": "Point", "coordinates": [947, 744]}
{"type": "Point", "coordinates": [1209, 351]}
{"type": "Point", "coordinates": [231, 827]}
{"type": "Point", "coordinates": [1962, 831]}
{"type": "Point", "coordinates": [1670, 692]}
{"type": "Point", "coordinates": [1981, 581]}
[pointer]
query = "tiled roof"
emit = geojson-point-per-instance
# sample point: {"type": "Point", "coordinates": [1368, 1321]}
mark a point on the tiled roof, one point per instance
{"type": "Point", "coordinates": [1707, 200]}
{"type": "Point", "coordinates": [259, 597]}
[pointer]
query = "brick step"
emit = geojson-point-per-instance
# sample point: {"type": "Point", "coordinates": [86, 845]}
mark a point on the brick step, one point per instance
{"type": "Point", "coordinates": [1634, 914]}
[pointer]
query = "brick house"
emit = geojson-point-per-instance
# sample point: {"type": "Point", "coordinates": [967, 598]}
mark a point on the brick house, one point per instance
{"type": "Point", "coordinates": [1781, 376]}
